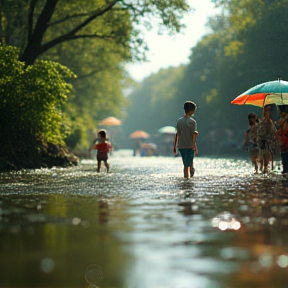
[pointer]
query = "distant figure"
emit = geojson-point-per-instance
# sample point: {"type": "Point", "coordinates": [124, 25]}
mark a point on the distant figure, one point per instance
{"type": "Point", "coordinates": [166, 144]}
{"type": "Point", "coordinates": [251, 140]}
{"type": "Point", "coordinates": [282, 133]}
{"type": "Point", "coordinates": [185, 138]}
{"type": "Point", "coordinates": [103, 148]}
{"type": "Point", "coordinates": [137, 147]}
{"type": "Point", "coordinates": [266, 139]}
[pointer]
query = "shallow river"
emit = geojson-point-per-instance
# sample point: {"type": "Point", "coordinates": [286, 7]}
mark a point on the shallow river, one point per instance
{"type": "Point", "coordinates": [143, 226]}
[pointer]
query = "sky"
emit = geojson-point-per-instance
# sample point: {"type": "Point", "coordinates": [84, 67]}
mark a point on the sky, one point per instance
{"type": "Point", "coordinates": [165, 50]}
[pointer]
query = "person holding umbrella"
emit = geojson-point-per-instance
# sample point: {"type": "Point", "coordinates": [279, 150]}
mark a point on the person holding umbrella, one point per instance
{"type": "Point", "coordinates": [263, 95]}
{"type": "Point", "coordinates": [251, 140]}
{"type": "Point", "coordinates": [266, 139]}
{"type": "Point", "coordinates": [282, 133]}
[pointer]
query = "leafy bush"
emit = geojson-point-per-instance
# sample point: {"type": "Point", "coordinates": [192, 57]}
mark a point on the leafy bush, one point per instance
{"type": "Point", "coordinates": [32, 100]}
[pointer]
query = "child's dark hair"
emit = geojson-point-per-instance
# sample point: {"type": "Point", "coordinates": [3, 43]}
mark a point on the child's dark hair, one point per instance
{"type": "Point", "coordinates": [253, 116]}
{"type": "Point", "coordinates": [102, 133]}
{"type": "Point", "coordinates": [189, 106]}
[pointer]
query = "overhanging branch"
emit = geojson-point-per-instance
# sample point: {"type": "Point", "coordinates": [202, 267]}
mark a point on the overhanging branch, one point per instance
{"type": "Point", "coordinates": [93, 36]}
{"type": "Point", "coordinates": [72, 34]}
{"type": "Point", "coordinates": [30, 18]}
{"type": "Point", "coordinates": [69, 17]}
{"type": "Point", "coordinates": [64, 38]}
{"type": "Point", "coordinates": [89, 74]}
{"type": "Point", "coordinates": [92, 17]}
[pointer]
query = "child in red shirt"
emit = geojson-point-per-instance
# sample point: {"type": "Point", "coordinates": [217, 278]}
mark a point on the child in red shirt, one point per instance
{"type": "Point", "coordinates": [102, 147]}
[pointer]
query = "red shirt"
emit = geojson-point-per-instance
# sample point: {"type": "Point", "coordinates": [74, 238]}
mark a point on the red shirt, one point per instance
{"type": "Point", "coordinates": [102, 147]}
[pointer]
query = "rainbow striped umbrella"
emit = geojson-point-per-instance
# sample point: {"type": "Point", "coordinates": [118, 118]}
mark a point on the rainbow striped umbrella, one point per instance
{"type": "Point", "coordinates": [272, 92]}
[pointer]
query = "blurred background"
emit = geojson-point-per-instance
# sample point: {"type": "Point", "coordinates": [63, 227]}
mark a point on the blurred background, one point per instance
{"type": "Point", "coordinates": [141, 70]}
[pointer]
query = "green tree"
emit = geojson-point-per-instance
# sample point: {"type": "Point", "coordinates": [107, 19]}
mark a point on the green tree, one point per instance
{"type": "Point", "coordinates": [107, 34]}
{"type": "Point", "coordinates": [246, 47]}
{"type": "Point", "coordinates": [48, 23]}
{"type": "Point", "coordinates": [98, 88]}
{"type": "Point", "coordinates": [32, 101]}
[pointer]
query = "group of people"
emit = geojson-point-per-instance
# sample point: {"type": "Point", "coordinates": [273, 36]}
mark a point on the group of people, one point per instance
{"type": "Point", "coordinates": [185, 141]}
{"type": "Point", "coordinates": [264, 139]}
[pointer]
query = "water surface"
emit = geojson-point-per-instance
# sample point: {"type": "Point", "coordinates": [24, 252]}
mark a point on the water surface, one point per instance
{"type": "Point", "coordinates": [142, 225]}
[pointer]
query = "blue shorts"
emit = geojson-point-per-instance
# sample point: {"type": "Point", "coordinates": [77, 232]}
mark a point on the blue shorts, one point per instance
{"type": "Point", "coordinates": [187, 156]}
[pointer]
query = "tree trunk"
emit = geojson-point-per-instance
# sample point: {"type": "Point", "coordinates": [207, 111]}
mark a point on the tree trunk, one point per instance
{"type": "Point", "coordinates": [33, 48]}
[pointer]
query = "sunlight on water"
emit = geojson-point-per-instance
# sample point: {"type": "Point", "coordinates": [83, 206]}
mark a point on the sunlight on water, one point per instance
{"type": "Point", "coordinates": [226, 221]}
{"type": "Point", "coordinates": [143, 225]}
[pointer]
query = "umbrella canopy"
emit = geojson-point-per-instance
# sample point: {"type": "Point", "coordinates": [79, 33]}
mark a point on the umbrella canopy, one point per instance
{"type": "Point", "coordinates": [139, 134]}
{"type": "Point", "coordinates": [272, 92]}
{"type": "Point", "coordinates": [167, 130]}
{"type": "Point", "coordinates": [110, 121]}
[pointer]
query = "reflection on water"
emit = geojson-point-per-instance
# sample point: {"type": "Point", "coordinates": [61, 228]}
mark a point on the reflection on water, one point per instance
{"type": "Point", "coordinates": [226, 221]}
{"type": "Point", "coordinates": [142, 225]}
{"type": "Point", "coordinates": [93, 274]}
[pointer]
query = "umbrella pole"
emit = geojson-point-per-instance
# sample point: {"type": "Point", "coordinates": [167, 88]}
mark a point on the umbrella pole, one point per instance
{"type": "Point", "coordinates": [279, 81]}
{"type": "Point", "coordinates": [263, 106]}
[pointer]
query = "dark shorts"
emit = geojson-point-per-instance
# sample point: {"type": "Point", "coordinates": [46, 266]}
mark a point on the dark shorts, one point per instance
{"type": "Point", "coordinates": [102, 157]}
{"type": "Point", "coordinates": [187, 156]}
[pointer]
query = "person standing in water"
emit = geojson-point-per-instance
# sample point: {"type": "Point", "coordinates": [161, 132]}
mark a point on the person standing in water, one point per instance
{"type": "Point", "coordinates": [103, 148]}
{"type": "Point", "coordinates": [185, 138]}
{"type": "Point", "coordinates": [251, 141]}
{"type": "Point", "coordinates": [266, 139]}
{"type": "Point", "coordinates": [282, 135]}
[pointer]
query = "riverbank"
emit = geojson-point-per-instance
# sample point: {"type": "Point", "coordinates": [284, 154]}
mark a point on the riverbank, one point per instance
{"type": "Point", "coordinates": [46, 156]}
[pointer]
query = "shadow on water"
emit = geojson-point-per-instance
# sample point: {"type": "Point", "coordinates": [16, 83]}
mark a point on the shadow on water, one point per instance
{"type": "Point", "coordinates": [142, 225]}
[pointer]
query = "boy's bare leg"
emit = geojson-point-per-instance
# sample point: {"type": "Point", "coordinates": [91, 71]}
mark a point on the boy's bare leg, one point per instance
{"type": "Point", "coordinates": [261, 161]}
{"type": "Point", "coordinates": [98, 166]}
{"type": "Point", "coordinates": [107, 165]}
{"type": "Point", "coordinates": [186, 172]}
{"type": "Point", "coordinates": [266, 163]}
{"type": "Point", "coordinates": [254, 160]}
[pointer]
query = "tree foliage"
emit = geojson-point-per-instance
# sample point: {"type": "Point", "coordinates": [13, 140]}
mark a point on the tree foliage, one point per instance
{"type": "Point", "coordinates": [246, 46]}
{"type": "Point", "coordinates": [48, 23]}
{"type": "Point", "coordinates": [98, 88]}
{"type": "Point", "coordinates": [32, 101]}
{"type": "Point", "coordinates": [94, 39]}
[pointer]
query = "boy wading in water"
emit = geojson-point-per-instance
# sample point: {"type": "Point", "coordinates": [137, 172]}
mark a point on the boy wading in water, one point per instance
{"type": "Point", "coordinates": [102, 147]}
{"type": "Point", "coordinates": [282, 135]}
{"type": "Point", "coordinates": [185, 138]}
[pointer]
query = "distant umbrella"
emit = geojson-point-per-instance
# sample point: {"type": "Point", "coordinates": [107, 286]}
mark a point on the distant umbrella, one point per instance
{"type": "Point", "coordinates": [139, 134]}
{"type": "Point", "coordinates": [167, 130]}
{"type": "Point", "coordinates": [110, 121]}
